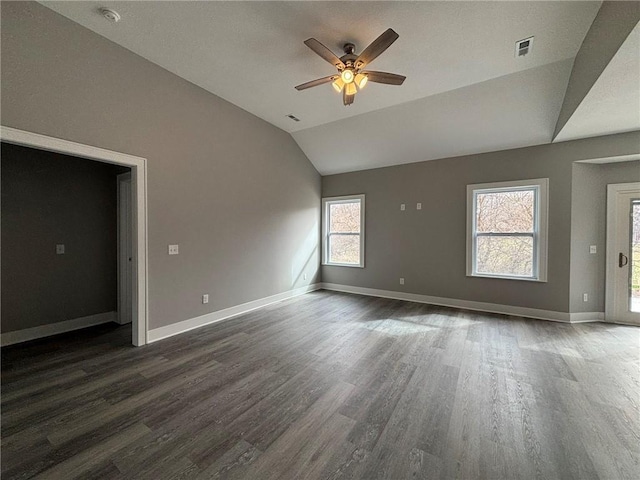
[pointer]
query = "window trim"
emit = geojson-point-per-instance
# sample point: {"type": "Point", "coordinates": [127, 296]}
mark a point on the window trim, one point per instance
{"type": "Point", "coordinates": [540, 234]}
{"type": "Point", "coordinates": [326, 202]}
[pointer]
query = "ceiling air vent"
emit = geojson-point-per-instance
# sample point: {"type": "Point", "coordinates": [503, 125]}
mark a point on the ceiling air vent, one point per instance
{"type": "Point", "coordinates": [293, 117]}
{"type": "Point", "coordinates": [524, 46]}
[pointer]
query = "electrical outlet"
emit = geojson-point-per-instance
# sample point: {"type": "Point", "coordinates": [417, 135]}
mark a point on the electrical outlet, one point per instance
{"type": "Point", "coordinates": [593, 249]}
{"type": "Point", "coordinates": [173, 250]}
{"type": "Point", "coordinates": [60, 249]}
{"type": "Point", "coordinates": [419, 206]}
{"type": "Point", "coordinates": [585, 297]}
{"type": "Point", "coordinates": [402, 281]}
{"type": "Point", "coordinates": [205, 298]}
{"type": "Point", "coordinates": [402, 206]}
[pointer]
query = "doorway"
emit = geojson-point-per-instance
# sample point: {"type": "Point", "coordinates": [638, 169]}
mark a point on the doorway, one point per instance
{"type": "Point", "coordinates": [623, 254]}
{"type": "Point", "coordinates": [125, 250]}
{"type": "Point", "coordinates": [138, 218]}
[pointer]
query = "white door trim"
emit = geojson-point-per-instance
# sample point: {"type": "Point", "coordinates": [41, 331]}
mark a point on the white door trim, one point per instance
{"type": "Point", "coordinates": [613, 190]}
{"type": "Point", "coordinates": [139, 184]}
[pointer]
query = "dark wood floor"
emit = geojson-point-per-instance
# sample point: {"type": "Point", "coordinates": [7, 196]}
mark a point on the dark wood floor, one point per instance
{"type": "Point", "coordinates": [329, 386]}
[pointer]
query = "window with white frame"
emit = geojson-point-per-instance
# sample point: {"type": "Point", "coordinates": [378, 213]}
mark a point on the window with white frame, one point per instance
{"type": "Point", "coordinates": [507, 230]}
{"type": "Point", "coordinates": [343, 231]}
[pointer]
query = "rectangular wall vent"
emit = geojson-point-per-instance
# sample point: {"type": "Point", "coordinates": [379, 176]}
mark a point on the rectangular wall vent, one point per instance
{"type": "Point", "coordinates": [524, 46]}
{"type": "Point", "coordinates": [293, 117]}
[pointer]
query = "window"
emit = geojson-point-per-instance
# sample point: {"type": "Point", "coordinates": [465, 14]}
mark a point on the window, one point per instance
{"type": "Point", "coordinates": [343, 231]}
{"type": "Point", "coordinates": [507, 230]}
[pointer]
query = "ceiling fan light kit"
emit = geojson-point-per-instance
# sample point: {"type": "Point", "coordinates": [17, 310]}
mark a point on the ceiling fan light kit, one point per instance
{"type": "Point", "coordinates": [351, 77]}
{"type": "Point", "coordinates": [361, 80]}
{"type": "Point", "coordinates": [347, 75]}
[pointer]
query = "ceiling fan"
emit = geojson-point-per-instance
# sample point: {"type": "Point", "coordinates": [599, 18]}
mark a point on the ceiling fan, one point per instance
{"type": "Point", "coordinates": [351, 77]}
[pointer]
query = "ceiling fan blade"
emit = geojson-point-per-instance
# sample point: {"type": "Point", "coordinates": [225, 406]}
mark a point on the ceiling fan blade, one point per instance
{"type": "Point", "coordinates": [378, 46]}
{"type": "Point", "coordinates": [315, 83]}
{"type": "Point", "coordinates": [384, 77]}
{"type": "Point", "coordinates": [324, 52]}
{"type": "Point", "coordinates": [347, 99]}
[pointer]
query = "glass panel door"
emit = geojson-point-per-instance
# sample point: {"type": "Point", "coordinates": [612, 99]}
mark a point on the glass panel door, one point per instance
{"type": "Point", "coordinates": [623, 254]}
{"type": "Point", "coordinates": [634, 250]}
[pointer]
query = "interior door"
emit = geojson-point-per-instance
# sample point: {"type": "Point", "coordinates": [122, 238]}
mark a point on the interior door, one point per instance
{"type": "Point", "coordinates": [623, 254]}
{"type": "Point", "coordinates": [125, 249]}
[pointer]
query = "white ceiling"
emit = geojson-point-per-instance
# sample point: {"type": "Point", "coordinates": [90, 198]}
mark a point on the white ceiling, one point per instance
{"type": "Point", "coordinates": [465, 91]}
{"type": "Point", "coordinates": [465, 121]}
{"type": "Point", "coordinates": [613, 103]}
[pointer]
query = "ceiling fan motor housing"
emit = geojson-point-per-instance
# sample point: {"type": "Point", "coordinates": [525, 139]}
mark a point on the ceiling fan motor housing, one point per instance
{"type": "Point", "coordinates": [349, 48]}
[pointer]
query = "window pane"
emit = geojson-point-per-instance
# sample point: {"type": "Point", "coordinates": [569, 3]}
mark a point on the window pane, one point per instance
{"type": "Point", "coordinates": [505, 212]}
{"type": "Point", "coordinates": [505, 255]}
{"type": "Point", "coordinates": [344, 217]}
{"type": "Point", "coordinates": [344, 249]}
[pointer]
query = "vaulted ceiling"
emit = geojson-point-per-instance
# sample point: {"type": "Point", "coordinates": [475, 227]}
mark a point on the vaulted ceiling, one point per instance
{"type": "Point", "coordinates": [612, 105]}
{"type": "Point", "coordinates": [466, 91]}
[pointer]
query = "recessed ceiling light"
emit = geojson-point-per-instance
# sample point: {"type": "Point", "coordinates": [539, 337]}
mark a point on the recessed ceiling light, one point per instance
{"type": "Point", "coordinates": [110, 15]}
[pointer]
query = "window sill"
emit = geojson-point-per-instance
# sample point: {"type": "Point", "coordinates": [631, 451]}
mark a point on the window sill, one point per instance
{"type": "Point", "coordinates": [352, 265]}
{"type": "Point", "coordinates": [507, 277]}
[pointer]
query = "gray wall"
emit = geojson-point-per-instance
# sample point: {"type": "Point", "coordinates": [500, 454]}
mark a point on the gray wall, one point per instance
{"type": "Point", "coordinates": [49, 199]}
{"type": "Point", "coordinates": [428, 247]}
{"type": "Point", "coordinates": [236, 193]}
{"type": "Point", "coordinates": [589, 227]}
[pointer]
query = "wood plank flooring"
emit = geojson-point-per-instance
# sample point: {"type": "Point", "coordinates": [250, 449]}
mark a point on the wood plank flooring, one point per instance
{"type": "Point", "coordinates": [329, 386]}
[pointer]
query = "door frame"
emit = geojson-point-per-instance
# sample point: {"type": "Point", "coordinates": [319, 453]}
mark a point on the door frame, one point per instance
{"type": "Point", "coordinates": [613, 190]}
{"type": "Point", "coordinates": [138, 165]}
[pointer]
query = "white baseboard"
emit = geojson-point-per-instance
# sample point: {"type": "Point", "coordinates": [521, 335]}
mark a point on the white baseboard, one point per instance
{"type": "Point", "coordinates": [621, 322]}
{"type": "Point", "coordinates": [42, 331]}
{"type": "Point", "coordinates": [536, 313]}
{"type": "Point", "coordinates": [213, 317]}
{"type": "Point", "coordinates": [584, 317]}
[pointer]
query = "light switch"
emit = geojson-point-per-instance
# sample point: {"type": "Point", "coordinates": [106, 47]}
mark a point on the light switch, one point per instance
{"type": "Point", "coordinates": [419, 206]}
{"type": "Point", "coordinates": [402, 206]}
{"type": "Point", "coordinates": [60, 249]}
{"type": "Point", "coordinates": [173, 250]}
{"type": "Point", "coordinates": [593, 249]}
